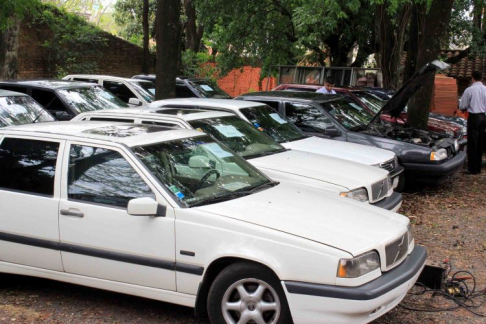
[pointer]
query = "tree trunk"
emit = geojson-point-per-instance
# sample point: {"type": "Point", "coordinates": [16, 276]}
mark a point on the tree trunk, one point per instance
{"type": "Point", "coordinates": [414, 39]}
{"type": "Point", "coordinates": [193, 32]}
{"type": "Point", "coordinates": [168, 38]}
{"type": "Point", "coordinates": [433, 30]}
{"type": "Point", "coordinates": [145, 26]}
{"type": "Point", "coordinates": [9, 45]}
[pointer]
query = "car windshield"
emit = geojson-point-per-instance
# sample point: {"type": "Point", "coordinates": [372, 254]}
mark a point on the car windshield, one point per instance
{"type": "Point", "coordinates": [18, 110]}
{"type": "Point", "coordinates": [239, 135]}
{"type": "Point", "coordinates": [348, 114]}
{"type": "Point", "coordinates": [91, 98]}
{"type": "Point", "coordinates": [370, 100]}
{"type": "Point", "coordinates": [145, 89]}
{"type": "Point", "coordinates": [200, 171]}
{"type": "Point", "coordinates": [209, 90]}
{"type": "Point", "coordinates": [269, 121]}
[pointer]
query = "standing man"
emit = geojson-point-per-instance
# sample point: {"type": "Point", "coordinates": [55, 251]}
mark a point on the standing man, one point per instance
{"type": "Point", "coordinates": [328, 85]}
{"type": "Point", "coordinates": [474, 101]}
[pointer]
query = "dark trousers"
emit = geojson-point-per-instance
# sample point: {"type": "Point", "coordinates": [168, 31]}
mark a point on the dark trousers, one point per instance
{"type": "Point", "coordinates": [476, 140]}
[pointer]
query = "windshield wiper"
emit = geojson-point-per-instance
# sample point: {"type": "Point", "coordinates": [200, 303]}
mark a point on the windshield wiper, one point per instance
{"type": "Point", "coordinates": [43, 110]}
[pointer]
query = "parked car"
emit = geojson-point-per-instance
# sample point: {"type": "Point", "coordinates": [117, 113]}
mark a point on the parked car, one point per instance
{"type": "Point", "coordinates": [427, 157]}
{"type": "Point", "coordinates": [18, 108]}
{"type": "Point", "coordinates": [332, 176]}
{"type": "Point", "coordinates": [268, 120]}
{"type": "Point", "coordinates": [370, 100]}
{"type": "Point", "coordinates": [131, 209]}
{"type": "Point", "coordinates": [135, 92]}
{"type": "Point", "coordinates": [191, 87]}
{"type": "Point", "coordinates": [65, 99]}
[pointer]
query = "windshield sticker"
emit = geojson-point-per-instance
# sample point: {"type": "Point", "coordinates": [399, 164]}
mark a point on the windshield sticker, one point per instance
{"type": "Point", "coordinates": [199, 130]}
{"type": "Point", "coordinates": [256, 125]}
{"type": "Point", "coordinates": [234, 186]}
{"type": "Point", "coordinates": [216, 150]}
{"type": "Point", "coordinates": [177, 192]}
{"type": "Point", "coordinates": [278, 119]}
{"type": "Point", "coordinates": [229, 131]}
{"type": "Point", "coordinates": [152, 91]}
{"type": "Point", "coordinates": [206, 87]}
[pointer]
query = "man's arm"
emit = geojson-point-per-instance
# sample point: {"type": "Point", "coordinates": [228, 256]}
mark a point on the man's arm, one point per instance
{"type": "Point", "coordinates": [465, 100]}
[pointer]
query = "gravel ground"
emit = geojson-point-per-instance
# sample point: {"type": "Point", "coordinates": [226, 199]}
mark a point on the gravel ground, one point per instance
{"type": "Point", "coordinates": [449, 220]}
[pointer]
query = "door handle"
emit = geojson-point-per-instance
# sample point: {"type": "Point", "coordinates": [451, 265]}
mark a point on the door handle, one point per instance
{"type": "Point", "coordinates": [72, 212]}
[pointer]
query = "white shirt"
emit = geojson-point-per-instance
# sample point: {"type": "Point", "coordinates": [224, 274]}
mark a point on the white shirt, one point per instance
{"type": "Point", "coordinates": [324, 90]}
{"type": "Point", "coordinates": [474, 98]}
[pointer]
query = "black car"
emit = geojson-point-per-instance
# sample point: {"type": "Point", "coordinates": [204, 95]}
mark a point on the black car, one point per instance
{"type": "Point", "coordinates": [427, 157]}
{"type": "Point", "coordinates": [65, 99]}
{"type": "Point", "coordinates": [189, 87]}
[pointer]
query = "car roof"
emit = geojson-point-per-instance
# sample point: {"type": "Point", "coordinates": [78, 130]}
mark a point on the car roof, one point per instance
{"type": "Point", "coordinates": [103, 77]}
{"type": "Point", "coordinates": [202, 103]}
{"type": "Point", "coordinates": [7, 93]}
{"type": "Point", "coordinates": [291, 95]}
{"type": "Point", "coordinates": [178, 113]}
{"type": "Point", "coordinates": [123, 133]}
{"type": "Point", "coordinates": [49, 84]}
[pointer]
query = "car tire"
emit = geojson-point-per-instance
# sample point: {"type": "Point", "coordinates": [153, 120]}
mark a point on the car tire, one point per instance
{"type": "Point", "coordinates": [264, 298]}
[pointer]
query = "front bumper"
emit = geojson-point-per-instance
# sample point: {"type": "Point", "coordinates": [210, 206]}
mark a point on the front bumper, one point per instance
{"type": "Point", "coordinates": [434, 173]}
{"type": "Point", "coordinates": [316, 303]}
{"type": "Point", "coordinates": [393, 203]}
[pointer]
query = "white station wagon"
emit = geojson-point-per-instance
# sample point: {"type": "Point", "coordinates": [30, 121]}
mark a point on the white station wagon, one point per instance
{"type": "Point", "coordinates": [332, 175]}
{"type": "Point", "coordinates": [129, 208]}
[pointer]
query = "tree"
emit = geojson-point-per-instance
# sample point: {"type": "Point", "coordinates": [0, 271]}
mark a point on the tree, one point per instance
{"type": "Point", "coordinates": [168, 37]}
{"type": "Point", "coordinates": [145, 25]}
{"type": "Point", "coordinates": [11, 14]}
{"type": "Point", "coordinates": [194, 33]}
{"type": "Point", "coordinates": [129, 15]}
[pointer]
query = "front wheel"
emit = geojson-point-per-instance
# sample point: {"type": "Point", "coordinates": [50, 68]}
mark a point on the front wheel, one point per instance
{"type": "Point", "coordinates": [247, 293]}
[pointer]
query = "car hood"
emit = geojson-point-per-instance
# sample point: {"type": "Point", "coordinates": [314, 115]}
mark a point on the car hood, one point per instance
{"type": "Point", "coordinates": [347, 151]}
{"type": "Point", "coordinates": [397, 103]}
{"type": "Point", "coordinates": [334, 221]}
{"type": "Point", "coordinates": [350, 175]}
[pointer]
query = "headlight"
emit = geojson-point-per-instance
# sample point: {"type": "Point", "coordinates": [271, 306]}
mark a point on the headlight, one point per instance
{"type": "Point", "coordinates": [440, 154]}
{"type": "Point", "coordinates": [409, 232]}
{"type": "Point", "coordinates": [456, 146]}
{"type": "Point", "coordinates": [361, 265]}
{"type": "Point", "coordinates": [357, 194]}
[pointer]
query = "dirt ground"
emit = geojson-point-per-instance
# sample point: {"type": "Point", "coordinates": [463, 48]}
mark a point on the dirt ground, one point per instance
{"type": "Point", "coordinates": [449, 220]}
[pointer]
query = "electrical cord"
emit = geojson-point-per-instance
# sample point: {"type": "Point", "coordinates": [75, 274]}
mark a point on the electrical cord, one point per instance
{"type": "Point", "coordinates": [457, 289]}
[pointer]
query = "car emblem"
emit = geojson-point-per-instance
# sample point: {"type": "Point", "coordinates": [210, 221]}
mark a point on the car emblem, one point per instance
{"type": "Point", "coordinates": [399, 249]}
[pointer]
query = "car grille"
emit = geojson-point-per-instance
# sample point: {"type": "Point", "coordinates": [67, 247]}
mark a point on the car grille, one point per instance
{"type": "Point", "coordinates": [396, 251]}
{"type": "Point", "coordinates": [388, 165]}
{"type": "Point", "coordinates": [380, 189]}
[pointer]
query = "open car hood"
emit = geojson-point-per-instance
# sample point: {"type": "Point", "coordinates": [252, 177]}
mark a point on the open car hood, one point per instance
{"type": "Point", "coordinates": [397, 103]}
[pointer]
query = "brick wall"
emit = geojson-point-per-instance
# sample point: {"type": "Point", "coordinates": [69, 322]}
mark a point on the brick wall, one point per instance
{"type": "Point", "coordinates": [244, 80]}
{"type": "Point", "coordinates": [445, 95]}
{"type": "Point", "coordinates": [119, 57]}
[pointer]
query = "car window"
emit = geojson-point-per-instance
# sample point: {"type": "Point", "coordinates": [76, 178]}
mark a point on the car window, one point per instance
{"type": "Point", "coordinates": [85, 80]}
{"type": "Point", "coordinates": [307, 117]}
{"type": "Point", "coordinates": [120, 90]}
{"type": "Point", "coordinates": [144, 89]}
{"type": "Point", "coordinates": [273, 104]}
{"type": "Point", "coordinates": [103, 176]}
{"type": "Point", "coordinates": [28, 165]}
{"type": "Point", "coordinates": [14, 88]}
{"type": "Point", "coordinates": [18, 110]}
{"type": "Point", "coordinates": [182, 91]}
{"type": "Point", "coordinates": [149, 122]}
{"type": "Point", "coordinates": [91, 98]}
{"type": "Point", "coordinates": [48, 100]}
{"type": "Point", "coordinates": [112, 119]}
{"type": "Point", "coordinates": [207, 89]}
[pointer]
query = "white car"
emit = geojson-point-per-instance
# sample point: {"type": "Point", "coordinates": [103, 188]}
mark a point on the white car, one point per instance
{"type": "Point", "coordinates": [268, 120]}
{"type": "Point", "coordinates": [131, 91]}
{"type": "Point", "coordinates": [131, 208]}
{"type": "Point", "coordinates": [335, 176]}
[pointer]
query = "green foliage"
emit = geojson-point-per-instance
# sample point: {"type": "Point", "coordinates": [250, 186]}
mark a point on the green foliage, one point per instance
{"type": "Point", "coordinates": [200, 65]}
{"type": "Point", "coordinates": [128, 15]}
{"type": "Point", "coordinates": [12, 9]}
{"type": "Point", "coordinates": [74, 45]}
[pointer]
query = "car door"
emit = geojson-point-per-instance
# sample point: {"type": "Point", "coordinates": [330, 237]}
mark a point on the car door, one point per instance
{"type": "Point", "coordinates": [99, 239]}
{"type": "Point", "coordinates": [29, 201]}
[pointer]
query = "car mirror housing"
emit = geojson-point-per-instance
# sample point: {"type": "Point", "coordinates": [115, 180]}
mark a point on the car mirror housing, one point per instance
{"type": "Point", "coordinates": [332, 132]}
{"type": "Point", "coordinates": [145, 207]}
{"type": "Point", "coordinates": [134, 101]}
{"type": "Point", "coordinates": [62, 116]}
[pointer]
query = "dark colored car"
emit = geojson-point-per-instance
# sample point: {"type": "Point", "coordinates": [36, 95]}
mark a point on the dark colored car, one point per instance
{"type": "Point", "coordinates": [18, 108]}
{"type": "Point", "coordinates": [65, 99]}
{"type": "Point", "coordinates": [374, 100]}
{"type": "Point", "coordinates": [188, 87]}
{"type": "Point", "coordinates": [427, 157]}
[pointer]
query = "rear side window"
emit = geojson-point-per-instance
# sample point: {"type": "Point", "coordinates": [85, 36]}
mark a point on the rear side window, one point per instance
{"type": "Point", "coordinates": [112, 119]}
{"type": "Point", "coordinates": [149, 122]}
{"type": "Point", "coordinates": [119, 89]}
{"type": "Point", "coordinates": [101, 176]}
{"type": "Point", "coordinates": [182, 91]}
{"type": "Point", "coordinates": [48, 100]}
{"type": "Point", "coordinates": [28, 165]}
{"type": "Point", "coordinates": [13, 88]}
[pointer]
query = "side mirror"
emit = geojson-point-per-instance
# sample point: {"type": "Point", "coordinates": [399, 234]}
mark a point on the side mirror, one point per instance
{"type": "Point", "coordinates": [62, 115]}
{"type": "Point", "coordinates": [199, 161]}
{"type": "Point", "coordinates": [145, 207]}
{"type": "Point", "coordinates": [134, 101]}
{"type": "Point", "coordinates": [332, 132]}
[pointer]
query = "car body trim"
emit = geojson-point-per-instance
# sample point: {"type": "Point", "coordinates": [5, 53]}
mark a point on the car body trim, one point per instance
{"type": "Point", "coordinates": [446, 168]}
{"type": "Point", "coordinates": [389, 203]}
{"type": "Point", "coordinates": [104, 254]}
{"type": "Point", "coordinates": [374, 289]}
